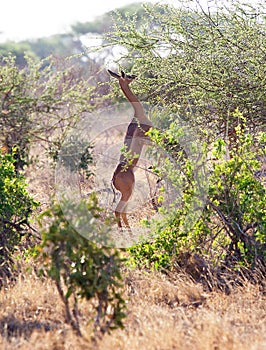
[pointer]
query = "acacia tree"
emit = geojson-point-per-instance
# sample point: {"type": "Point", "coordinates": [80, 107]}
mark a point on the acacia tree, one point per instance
{"type": "Point", "coordinates": [204, 63]}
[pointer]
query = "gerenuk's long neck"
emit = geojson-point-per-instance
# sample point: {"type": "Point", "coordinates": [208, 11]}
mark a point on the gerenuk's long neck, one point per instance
{"type": "Point", "coordinates": [132, 98]}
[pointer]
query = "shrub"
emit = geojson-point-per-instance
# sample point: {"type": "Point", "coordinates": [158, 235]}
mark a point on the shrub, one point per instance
{"type": "Point", "coordinates": [230, 228]}
{"type": "Point", "coordinates": [81, 268]}
{"type": "Point", "coordinates": [16, 206]}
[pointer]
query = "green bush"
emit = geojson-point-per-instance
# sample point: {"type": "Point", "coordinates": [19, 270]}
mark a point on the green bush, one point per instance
{"type": "Point", "coordinates": [230, 228]}
{"type": "Point", "coordinates": [16, 206]}
{"type": "Point", "coordinates": [81, 268]}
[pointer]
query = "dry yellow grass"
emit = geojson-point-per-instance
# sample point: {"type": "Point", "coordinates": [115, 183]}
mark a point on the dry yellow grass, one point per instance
{"type": "Point", "coordinates": [163, 314]}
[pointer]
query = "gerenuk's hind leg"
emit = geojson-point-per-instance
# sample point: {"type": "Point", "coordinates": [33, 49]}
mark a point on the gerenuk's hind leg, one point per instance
{"type": "Point", "coordinates": [124, 182]}
{"type": "Point", "coordinates": [121, 209]}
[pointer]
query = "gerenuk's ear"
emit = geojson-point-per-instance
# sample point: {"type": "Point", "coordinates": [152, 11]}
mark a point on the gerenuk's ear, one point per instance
{"type": "Point", "coordinates": [113, 74]}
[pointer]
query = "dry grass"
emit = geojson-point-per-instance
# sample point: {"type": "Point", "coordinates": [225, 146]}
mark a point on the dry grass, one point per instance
{"type": "Point", "coordinates": [163, 313]}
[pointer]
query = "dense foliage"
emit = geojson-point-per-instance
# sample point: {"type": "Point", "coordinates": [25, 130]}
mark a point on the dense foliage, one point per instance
{"type": "Point", "coordinates": [229, 227]}
{"type": "Point", "coordinates": [16, 207]}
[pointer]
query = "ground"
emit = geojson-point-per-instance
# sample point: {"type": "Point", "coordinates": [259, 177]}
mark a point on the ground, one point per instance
{"type": "Point", "coordinates": [164, 313]}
